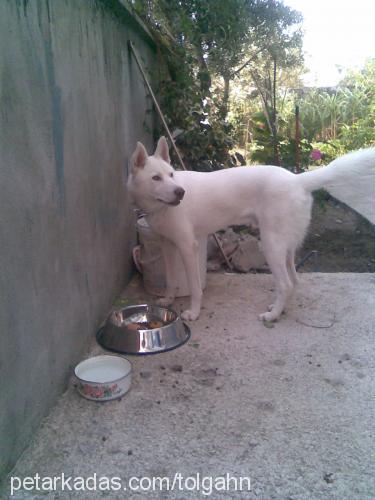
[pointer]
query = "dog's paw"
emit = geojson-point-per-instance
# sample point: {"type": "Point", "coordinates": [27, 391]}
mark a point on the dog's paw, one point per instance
{"type": "Point", "coordinates": [165, 301]}
{"type": "Point", "coordinates": [190, 315]}
{"type": "Point", "coordinates": [268, 316]}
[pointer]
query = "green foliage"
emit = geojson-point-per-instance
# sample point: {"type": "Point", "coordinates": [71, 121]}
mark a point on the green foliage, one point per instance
{"type": "Point", "coordinates": [333, 121]}
{"type": "Point", "coordinates": [201, 135]}
{"type": "Point", "coordinates": [359, 128]}
{"type": "Point", "coordinates": [342, 119]}
{"type": "Point", "coordinates": [262, 150]}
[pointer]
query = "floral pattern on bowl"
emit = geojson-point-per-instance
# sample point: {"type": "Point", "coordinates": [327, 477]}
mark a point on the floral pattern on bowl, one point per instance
{"type": "Point", "coordinates": [103, 377]}
{"type": "Point", "coordinates": [100, 391]}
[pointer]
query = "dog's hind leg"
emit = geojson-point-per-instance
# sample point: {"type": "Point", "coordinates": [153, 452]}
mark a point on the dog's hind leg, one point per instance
{"type": "Point", "coordinates": [276, 257]}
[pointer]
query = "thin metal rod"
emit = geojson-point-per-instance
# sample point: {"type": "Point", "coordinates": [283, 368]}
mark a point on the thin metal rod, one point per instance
{"type": "Point", "coordinates": [131, 47]}
{"type": "Point", "coordinates": [313, 253]}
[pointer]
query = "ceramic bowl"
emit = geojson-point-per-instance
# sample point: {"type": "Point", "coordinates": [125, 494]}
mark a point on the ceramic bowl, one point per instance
{"type": "Point", "coordinates": [102, 378]}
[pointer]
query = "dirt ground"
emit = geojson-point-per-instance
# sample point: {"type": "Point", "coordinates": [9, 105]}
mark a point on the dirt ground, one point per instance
{"type": "Point", "coordinates": [339, 240]}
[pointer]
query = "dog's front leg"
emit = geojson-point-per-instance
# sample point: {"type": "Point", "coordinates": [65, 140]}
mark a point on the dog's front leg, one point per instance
{"type": "Point", "coordinates": [190, 257]}
{"type": "Point", "coordinates": [168, 250]}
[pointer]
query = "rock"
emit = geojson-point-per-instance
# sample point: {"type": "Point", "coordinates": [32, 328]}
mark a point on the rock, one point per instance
{"type": "Point", "coordinates": [248, 255]}
{"type": "Point", "coordinates": [242, 250]}
{"type": "Point", "coordinates": [229, 241]}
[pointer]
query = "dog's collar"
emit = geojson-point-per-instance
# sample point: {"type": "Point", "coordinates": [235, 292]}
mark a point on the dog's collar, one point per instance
{"type": "Point", "coordinates": [140, 212]}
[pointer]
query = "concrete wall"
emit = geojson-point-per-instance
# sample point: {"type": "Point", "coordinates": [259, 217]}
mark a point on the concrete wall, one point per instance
{"type": "Point", "coordinates": [73, 106]}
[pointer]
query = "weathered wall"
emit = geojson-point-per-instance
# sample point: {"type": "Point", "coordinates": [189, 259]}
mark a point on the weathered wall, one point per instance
{"type": "Point", "coordinates": [72, 107]}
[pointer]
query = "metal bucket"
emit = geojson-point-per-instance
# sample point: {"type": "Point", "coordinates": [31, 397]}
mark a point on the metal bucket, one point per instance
{"type": "Point", "coordinates": [149, 261]}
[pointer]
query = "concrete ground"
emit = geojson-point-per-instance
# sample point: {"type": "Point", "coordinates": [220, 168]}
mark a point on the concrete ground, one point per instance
{"type": "Point", "coordinates": [288, 406]}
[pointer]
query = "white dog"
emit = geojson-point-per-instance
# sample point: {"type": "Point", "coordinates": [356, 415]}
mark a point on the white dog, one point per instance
{"type": "Point", "coordinates": [182, 206]}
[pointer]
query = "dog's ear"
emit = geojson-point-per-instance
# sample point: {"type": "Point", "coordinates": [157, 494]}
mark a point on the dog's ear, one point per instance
{"type": "Point", "coordinates": [162, 150]}
{"type": "Point", "coordinates": [139, 157]}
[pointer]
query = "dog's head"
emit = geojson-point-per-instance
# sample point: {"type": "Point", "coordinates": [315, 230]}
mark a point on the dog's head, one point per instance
{"type": "Point", "coordinates": [151, 181]}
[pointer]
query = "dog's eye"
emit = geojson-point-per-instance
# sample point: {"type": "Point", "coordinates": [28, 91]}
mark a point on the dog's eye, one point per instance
{"type": "Point", "coordinates": [156, 178]}
{"type": "Point", "coordinates": [171, 174]}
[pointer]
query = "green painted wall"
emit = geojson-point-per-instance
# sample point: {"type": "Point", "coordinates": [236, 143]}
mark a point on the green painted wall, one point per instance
{"type": "Point", "coordinates": [73, 106]}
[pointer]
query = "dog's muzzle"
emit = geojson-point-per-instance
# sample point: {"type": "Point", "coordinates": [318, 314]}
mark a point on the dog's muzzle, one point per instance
{"type": "Point", "coordinates": [179, 194]}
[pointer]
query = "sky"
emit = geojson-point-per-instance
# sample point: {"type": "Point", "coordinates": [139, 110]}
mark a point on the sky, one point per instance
{"type": "Point", "coordinates": [336, 33]}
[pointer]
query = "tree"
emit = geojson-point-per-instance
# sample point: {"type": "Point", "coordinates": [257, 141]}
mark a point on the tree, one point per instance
{"type": "Point", "coordinates": [201, 41]}
{"type": "Point", "coordinates": [247, 32]}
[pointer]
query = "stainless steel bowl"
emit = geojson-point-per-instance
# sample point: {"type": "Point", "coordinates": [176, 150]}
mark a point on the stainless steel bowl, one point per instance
{"type": "Point", "coordinates": [123, 331]}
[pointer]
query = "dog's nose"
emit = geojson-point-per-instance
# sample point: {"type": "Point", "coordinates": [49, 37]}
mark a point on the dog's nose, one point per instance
{"type": "Point", "coordinates": [179, 192]}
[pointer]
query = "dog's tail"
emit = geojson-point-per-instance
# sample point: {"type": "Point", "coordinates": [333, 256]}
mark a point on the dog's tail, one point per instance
{"type": "Point", "coordinates": [350, 179]}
